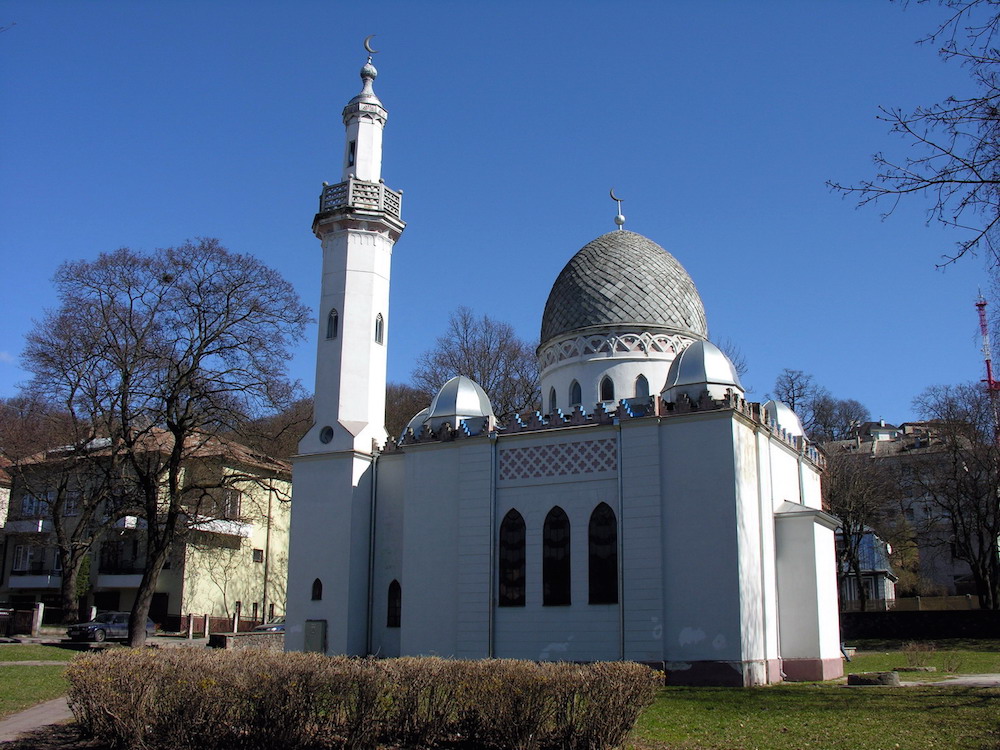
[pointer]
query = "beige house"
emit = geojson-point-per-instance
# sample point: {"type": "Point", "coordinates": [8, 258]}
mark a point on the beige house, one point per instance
{"type": "Point", "coordinates": [231, 557]}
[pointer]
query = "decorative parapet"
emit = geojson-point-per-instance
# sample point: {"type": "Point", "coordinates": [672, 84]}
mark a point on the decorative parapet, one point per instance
{"type": "Point", "coordinates": [618, 343]}
{"type": "Point", "coordinates": [358, 195]}
{"type": "Point", "coordinates": [626, 409]}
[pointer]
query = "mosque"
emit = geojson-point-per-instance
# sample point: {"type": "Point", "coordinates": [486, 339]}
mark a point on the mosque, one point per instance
{"type": "Point", "coordinates": [647, 512]}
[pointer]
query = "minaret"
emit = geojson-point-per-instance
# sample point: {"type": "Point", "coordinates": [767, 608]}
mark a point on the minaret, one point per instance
{"type": "Point", "coordinates": [333, 474]}
{"type": "Point", "coordinates": [358, 223]}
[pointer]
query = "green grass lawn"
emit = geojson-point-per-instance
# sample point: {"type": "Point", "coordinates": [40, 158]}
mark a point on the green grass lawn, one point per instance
{"type": "Point", "coordinates": [821, 717]}
{"type": "Point", "coordinates": [33, 652]}
{"type": "Point", "coordinates": [24, 686]}
{"type": "Point", "coordinates": [952, 656]}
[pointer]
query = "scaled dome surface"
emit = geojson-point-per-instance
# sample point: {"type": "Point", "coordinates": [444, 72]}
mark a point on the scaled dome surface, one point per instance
{"type": "Point", "coordinates": [623, 279]}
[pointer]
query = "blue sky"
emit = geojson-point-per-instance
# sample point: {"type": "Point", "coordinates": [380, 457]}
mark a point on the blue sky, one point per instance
{"type": "Point", "coordinates": [145, 124]}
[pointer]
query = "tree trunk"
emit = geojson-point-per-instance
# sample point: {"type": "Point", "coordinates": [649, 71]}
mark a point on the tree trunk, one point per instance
{"type": "Point", "coordinates": [68, 599]}
{"type": "Point", "coordinates": [155, 560]}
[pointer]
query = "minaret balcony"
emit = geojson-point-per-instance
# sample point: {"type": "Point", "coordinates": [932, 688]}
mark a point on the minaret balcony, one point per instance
{"type": "Point", "coordinates": [357, 195]}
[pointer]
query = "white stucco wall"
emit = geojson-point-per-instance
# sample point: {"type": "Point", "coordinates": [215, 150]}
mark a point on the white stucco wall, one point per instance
{"type": "Point", "coordinates": [331, 501]}
{"type": "Point", "coordinates": [580, 631]}
{"type": "Point", "coordinates": [700, 546]}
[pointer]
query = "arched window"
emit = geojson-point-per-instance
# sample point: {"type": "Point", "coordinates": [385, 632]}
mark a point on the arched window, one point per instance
{"type": "Point", "coordinates": [607, 389]}
{"type": "Point", "coordinates": [575, 394]}
{"type": "Point", "coordinates": [511, 567]}
{"type": "Point", "coordinates": [555, 559]}
{"type": "Point", "coordinates": [379, 328]}
{"type": "Point", "coordinates": [553, 405]}
{"type": "Point", "coordinates": [332, 324]}
{"type": "Point", "coordinates": [602, 546]}
{"type": "Point", "coordinates": [317, 593]}
{"type": "Point", "coordinates": [641, 387]}
{"type": "Point", "coordinates": [395, 609]}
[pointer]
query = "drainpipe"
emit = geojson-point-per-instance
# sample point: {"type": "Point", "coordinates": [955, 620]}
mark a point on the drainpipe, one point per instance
{"type": "Point", "coordinates": [491, 597]}
{"type": "Point", "coordinates": [621, 527]}
{"type": "Point", "coordinates": [371, 554]}
{"type": "Point", "coordinates": [267, 548]}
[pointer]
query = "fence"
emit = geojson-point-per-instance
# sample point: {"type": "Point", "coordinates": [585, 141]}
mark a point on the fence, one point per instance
{"type": "Point", "coordinates": [922, 625]}
{"type": "Point", "coordinates": [179, 624]}
{"type": "Point", "coordinates": [913, 604]}
{"type": "Point", "coordinates": [20, 619]}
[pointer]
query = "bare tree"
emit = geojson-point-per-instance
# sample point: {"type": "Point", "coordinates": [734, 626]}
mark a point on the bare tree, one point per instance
{"type": "Point", "coordinates": [489, 352]}
{"type": "Point", "coordinates": [960, 482]}
{"type": "Point", "coordinates": [735, 353]}
{"type": "Point", "coordinates": [860, 490]}
{"type": "Point", "coordinates": [176, 347]}
{"type": "Point", "coordinates": [835, 418]}
{"type": "Point", "coordinates": [278, 435]}
{"type": "Point", "coordinates": [953, 147]}
{"type": "Point", "coordinates": [402, 403]}
{"type": "Point", "coordinates": [823, 416]}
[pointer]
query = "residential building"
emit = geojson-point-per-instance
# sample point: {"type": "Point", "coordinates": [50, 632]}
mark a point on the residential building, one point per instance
{"type": "Point", "coordinates": [231, 555]}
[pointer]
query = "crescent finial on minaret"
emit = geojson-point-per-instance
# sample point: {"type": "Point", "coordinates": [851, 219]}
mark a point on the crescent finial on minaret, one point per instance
{"type": "Point", "coordinates": [620, 218]}
{"type": "Point", "coordinates": [368, 45]}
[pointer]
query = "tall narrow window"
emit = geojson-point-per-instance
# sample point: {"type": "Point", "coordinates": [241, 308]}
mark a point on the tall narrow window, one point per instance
{"type": "Point", "coordinates": [602, 545]}
{"type": "Point", "coordinates": [511, 567]}
{"type": "Point", "coordinates": [575, 394]}
{"type": "Point", "coordinates": [607, 389]}
{"type": "Point", "coordinates": [379, 328]}
{"type": "Point", "coordinates": [332, 324]}
{"type": "Point", "coordinates": [352, 149]}
{"type": "Point", "coordinates": [395, 609]}
{"type": "Point", "coordinates": [317, 592]}
{"type": "Point", "coordinates": [553, 404]}
{"type": "Point", "coordinates": [641, 387]}
{"type": "Point", "coordinates": [555, 559]}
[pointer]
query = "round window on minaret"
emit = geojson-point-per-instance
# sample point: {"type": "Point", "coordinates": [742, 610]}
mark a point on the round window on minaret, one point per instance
{"type": "Point", "coordinates": [326, 434]}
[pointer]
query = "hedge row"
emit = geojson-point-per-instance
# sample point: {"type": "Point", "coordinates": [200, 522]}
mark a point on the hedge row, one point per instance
{"type": "Point", "coordinates": [196, 700]}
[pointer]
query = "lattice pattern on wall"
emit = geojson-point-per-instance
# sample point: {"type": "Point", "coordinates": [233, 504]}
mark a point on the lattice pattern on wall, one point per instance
{"type": "Point", "coordinates": [558, 459]}
{"type": "Point", "coordinates": [613, 344]}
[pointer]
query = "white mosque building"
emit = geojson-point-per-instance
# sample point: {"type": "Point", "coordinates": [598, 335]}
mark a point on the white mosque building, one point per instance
{"type": "Point", "coordinates": [647, 512]}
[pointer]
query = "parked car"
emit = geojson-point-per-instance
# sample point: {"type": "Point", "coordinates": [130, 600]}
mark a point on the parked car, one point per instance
{"type": "Point", "coordinates": [277, 625]}
{"type": "Point", "coordinates": [106, 626]}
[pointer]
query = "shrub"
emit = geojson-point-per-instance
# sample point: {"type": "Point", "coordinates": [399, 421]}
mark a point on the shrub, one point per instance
{"type": "Point", "coordinates": [917, 654]}
{"type": "Point", "coordinates": [259, 700]}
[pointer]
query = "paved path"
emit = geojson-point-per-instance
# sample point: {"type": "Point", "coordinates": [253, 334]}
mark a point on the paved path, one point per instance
{"type": "Point", "coordinates": [51, 712]}
{"type": "Point", "coordinates": [964, 680]}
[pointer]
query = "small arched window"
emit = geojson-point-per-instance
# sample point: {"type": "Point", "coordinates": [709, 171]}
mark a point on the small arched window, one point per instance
{"type": "Point", "coordinates": [395, 608]}
{"type": "Point", "coordinates": [641, 387]}
{"type": "Point", "coordinates": [317, 592]}
{"type": "Point", "coordinates": [553, 404]}
{"type": "Point", "coordinates": [511, 563]}
{"type": "Point", "coordinates": [379, 328]}
{"type": "Point", "coordinates": [332, 324]}
{"type": "Point", "coordinates": [555, 559]}
{"type": "Point", "coordinates": [602, 555]}
{"type": "Point", "coordinates": [607, 389]}
{"type": "Point", "coordinates": [575, 394]}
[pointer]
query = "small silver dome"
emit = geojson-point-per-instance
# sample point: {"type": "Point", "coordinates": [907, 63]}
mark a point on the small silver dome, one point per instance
{"type": "Point", "coordinates": [416, 423]}
{"type": "Point", "coordinates": [460, 398]}
{"type": "Point", "coordinates": [702, 366]}
{"type": "Point", "coordinates": [782, 415]}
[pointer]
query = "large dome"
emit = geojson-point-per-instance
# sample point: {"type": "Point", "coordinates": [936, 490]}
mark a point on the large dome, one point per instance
{"type": "Point", "coordinates": [623, 279]}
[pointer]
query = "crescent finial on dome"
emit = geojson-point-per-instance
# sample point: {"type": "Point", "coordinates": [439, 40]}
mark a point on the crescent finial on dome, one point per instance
{"type": "Point", "coordinates": [620, 218]}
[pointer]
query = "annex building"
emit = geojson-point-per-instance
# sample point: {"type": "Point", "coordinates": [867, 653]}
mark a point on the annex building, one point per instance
{"type": "Point", "coordinates": [647, 511]}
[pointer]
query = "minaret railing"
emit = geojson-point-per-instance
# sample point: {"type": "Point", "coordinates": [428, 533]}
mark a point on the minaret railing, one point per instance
{"type": "Point", "coordinates": [359, 194]}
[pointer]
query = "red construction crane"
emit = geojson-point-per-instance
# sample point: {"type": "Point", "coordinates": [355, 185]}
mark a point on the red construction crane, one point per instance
{"type": "Point", "coordinates": [992, 386]}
